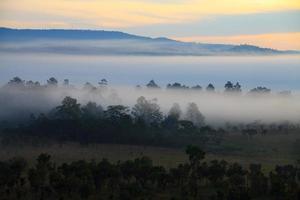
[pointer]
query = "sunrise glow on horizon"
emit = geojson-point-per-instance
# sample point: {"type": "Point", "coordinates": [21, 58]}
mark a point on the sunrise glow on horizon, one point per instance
{"type": "Point", "coordinates": [267, 23]}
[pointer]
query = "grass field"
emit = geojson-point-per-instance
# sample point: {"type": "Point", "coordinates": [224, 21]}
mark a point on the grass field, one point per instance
{"type": "Point", "coordinates": [267, 150]}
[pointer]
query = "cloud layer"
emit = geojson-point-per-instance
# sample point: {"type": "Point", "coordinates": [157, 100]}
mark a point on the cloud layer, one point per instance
{"type": "Point", "coordinates": [117, 13]}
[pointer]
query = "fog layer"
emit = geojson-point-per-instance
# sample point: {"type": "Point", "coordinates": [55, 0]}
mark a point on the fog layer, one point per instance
{"type": "Point", "coordinates": [218, 108]}
{"type": "Point", "coordinates": [276, 72]}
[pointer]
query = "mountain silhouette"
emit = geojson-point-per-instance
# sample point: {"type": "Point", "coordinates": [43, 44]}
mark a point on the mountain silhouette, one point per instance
{"type": "Point", "coordinates": [100, 42]}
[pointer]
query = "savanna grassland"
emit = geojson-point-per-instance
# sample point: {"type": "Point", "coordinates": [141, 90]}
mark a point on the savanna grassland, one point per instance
{"type": "Point", "coordinates": [267, 150]}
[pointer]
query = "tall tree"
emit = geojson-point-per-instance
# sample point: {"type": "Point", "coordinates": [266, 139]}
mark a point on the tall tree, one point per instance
{"type": "Point", "coordinates": [148, 111]}
{"type": "Point", "coordinates": [237, 87]}
{"type": "Point", "coordinates": [175, 111]}
{"type": "Point", "coordinates": [210, 88]}
{"type": "Point", "coordinates": [92, 111]}
{"type": "Point", "coordinates": [103, 82]}
{"type": "Point", "coordinates": [16, 81]}
{"type": "Point", "coordinates": [116, 112]}
{"type": "Point", "coordinates": [228, 86]}
{"type": "Point", "coordinates": [152, 84]}
{"type": "Point", "coordinates": [194, 115]}
{"type": "Point", "coordinates": [69, 109]}
{"type": "Point", "coordinates": [52, 81]}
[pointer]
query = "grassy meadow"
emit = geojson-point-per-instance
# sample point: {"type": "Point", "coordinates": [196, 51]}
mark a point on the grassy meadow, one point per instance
{"type": "Point", "coordinates": [269, 150]}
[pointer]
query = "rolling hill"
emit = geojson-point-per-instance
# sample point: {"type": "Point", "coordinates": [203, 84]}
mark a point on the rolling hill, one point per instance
{"type": "Point", "coordinates": [100, 42]}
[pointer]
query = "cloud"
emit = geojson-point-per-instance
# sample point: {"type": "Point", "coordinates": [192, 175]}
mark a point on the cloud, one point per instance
{"type": "Point", "coordinates": [121, 13]}
{"type": "Point", "coordinates": [221, 25]}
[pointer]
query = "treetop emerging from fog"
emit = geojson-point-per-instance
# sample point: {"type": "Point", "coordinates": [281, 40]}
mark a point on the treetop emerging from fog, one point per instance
{"type": "Point", "coordinates": [148, 102]}
{"type": "Point", "coordinates": [229, 87]}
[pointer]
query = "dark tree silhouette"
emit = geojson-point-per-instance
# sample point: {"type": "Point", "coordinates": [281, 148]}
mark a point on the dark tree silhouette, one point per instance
{"type": "Point", "coordinates": [141, 179]}
{"type": "Point", "coordinates": [195, 155]}
{"type": "Point", "coordinates": [260, 90]}
{"type": "Point", "coordinates": [258, 181]}
{"type": "Point", "coordinates": [152, 84]}
{"type": "Point", "coordinates": [103, 82]}
{"type": "Point", "coordinates": [176, 86]}
{"type": "Point", "coordinates": [228, 86]}
{"type": "Point", "coordinates": [16, 81]}
{"type": "Point", "coordinates": [117, 112]}
{"type": "Point", "coordinates": [196, 87]}
{"type": "Point", "coordinates": [210, 88]}
{"type": "Point", "coordinates": [92, 111]}
{"type": "Point", "coordinates": [237, 87]}
{"type": "Point", "coordinates": [52, 81]}
{"type": "Point", "coordinates": [69, 109]}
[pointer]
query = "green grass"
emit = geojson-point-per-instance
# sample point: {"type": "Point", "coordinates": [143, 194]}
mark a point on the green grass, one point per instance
{"type": "Point", "coordinates": [267, 150]}
{"type": "Point", "coordinates": [70, 152]}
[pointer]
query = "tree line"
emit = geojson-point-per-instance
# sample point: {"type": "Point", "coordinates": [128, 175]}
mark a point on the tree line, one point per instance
{"type": "Point", "coordinates": [90, 123]}
{"type": "Point", "coordinates": [143, 124]}
{"type": "Point", "coordinates": [229, 86]}
{"type": "Point", "coordinates": [140, 179]}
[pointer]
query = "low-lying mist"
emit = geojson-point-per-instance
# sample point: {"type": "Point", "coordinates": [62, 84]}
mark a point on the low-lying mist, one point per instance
{"type": "Point", "coordinates": [112, 47]}
{"type": "Point", "coordinates": [217, 107]}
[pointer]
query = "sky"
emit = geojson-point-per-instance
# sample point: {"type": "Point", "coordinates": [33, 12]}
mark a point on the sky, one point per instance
{"type": "Point", "coordinates": [266, 23]}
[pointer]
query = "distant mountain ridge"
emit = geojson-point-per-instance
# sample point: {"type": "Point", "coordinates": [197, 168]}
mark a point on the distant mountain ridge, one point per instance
{"type": "Point", "coordinates": [71, 41]}
{"type": "Point", "coordinates": [27, 34]}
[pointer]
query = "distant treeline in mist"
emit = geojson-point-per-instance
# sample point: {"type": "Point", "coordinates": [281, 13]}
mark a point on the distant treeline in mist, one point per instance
{"type": "Point", "coordinates": [143, 124]}
{"type": "Point", "coordinates": [229, 86]}
{"type": "Point", "coordinates": [140, 179]}
{"type": "Point", "coordinates": [20, 98]}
